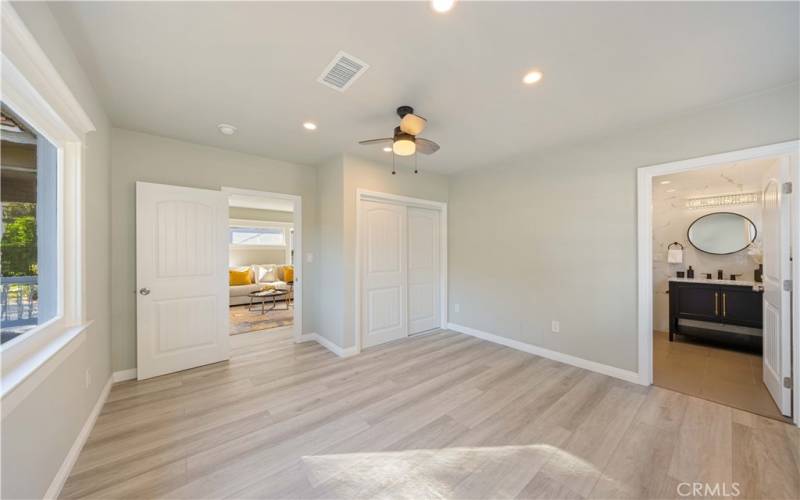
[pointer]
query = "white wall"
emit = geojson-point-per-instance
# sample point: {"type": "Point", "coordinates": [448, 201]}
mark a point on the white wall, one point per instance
{"type": "Point", "coordinates": [39, 432]}
{"type": "Point", "coordinates": [143, 157]}
{"type": "Point", "coordinates": [552, 236]}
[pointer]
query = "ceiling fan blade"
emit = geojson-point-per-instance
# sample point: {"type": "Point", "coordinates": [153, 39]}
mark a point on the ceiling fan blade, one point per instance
{"type": "Point", "coordinates": [426, 146]}
{"type": "Point", "coordinates": [376, 141]}
{"type": "Point", "coordinates": [413, 124]}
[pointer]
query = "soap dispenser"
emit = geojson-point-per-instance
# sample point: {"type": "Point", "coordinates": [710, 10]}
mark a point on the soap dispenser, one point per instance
{"type": "Point", "coordinates": [690, 273]}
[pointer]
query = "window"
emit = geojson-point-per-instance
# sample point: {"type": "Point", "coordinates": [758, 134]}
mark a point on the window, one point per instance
{"type": "Point", "coordinates": [29, 196]}
{"type": "Point", "coordinates": [258, 236]}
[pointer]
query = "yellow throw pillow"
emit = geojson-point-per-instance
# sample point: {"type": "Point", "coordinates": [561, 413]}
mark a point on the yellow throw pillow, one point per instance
{"type": "Point", "coordinates": [239, 277]}
{"type": "Point", "coordinates": [267, 288]}
{"type": "Point", "coordinates": [288, 274]}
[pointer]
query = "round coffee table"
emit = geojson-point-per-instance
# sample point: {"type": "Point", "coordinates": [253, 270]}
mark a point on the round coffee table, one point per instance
{"type": "Point", "coordinates": [265, 295]}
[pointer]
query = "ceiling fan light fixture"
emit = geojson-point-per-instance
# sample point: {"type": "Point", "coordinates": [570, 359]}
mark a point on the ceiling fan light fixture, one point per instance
{"type": "Point", "coordinates": [412, 124]}
{"type": "Point", "coordinates": [404, 146]}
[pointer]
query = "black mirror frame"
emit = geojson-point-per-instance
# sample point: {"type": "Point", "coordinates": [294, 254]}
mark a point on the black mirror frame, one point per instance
{"type": "Point", "coordinates": [689, 239]}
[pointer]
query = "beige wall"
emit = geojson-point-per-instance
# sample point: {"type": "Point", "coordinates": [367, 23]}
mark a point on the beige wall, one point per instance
{"type": "Point", "coordinates": [339, 182]}
{"type": "Point", "coordinates": [142, 157]}
{"type": "Point", "coordinates": [38, 433]}
{"type": "Point", "coordinates": [259, 214]}
{"type": "Point", "coordinates": [330, 311]}
{"type": "Point", "coordinates": [552, 236]}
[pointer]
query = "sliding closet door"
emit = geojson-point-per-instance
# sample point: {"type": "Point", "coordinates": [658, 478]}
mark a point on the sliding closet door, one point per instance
{"type": "Point", "coordinates": [384, 311]}
{"type": "Point", "coordinates": [423, 270]}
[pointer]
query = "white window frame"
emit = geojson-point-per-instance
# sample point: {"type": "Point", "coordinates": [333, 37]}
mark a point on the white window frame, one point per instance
{"type": "Point", "coordinates": [33, 89]}
{"type": "Point", "coordinates": [246, 223]}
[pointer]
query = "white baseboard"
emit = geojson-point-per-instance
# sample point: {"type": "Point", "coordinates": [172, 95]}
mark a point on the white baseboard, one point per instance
{"type": "Point", "coordinates": [611, 371]}
{"type": "Point", "coordinates": [69, 461]}
{"type": "Point", "coordinates": [124, 375]}
{"type": "Point", "coordinates": [327, 344]}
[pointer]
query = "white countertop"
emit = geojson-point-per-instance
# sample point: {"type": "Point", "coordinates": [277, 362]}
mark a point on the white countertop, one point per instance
{"type": "Point", "coordinates": [751, 284]}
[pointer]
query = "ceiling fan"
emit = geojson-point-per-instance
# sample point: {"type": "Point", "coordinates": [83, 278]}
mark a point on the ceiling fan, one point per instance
{"type": "Point", "coordinates": [405, 141]}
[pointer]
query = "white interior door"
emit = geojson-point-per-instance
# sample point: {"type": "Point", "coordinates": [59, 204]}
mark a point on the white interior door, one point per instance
{"type": "Point", "coordinates": [777, 269]}
{"type": "Point", "coordinates": [424, 311]}
{"type": "Point", "coordinates": [181, 278]}
{"type": "Point", "coordinates": [384, 313]}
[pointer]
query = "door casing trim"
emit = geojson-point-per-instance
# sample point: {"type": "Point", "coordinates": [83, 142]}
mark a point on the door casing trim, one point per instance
{"type": "Point", "coordinates": [644, 222]}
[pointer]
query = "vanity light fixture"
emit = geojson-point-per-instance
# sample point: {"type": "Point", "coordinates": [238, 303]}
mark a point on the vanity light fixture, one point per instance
{"type": "Point", "coordinates": [310, 126]}
{"type": "Point", "coordinates": [724, 200]}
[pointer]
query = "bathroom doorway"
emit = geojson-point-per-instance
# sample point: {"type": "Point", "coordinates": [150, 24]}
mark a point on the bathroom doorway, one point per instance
{"type": "Point", "coordinates": [719, 242]}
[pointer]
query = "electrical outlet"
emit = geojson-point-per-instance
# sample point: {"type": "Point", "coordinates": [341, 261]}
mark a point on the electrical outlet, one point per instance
{"type": "Point", "coordinates": [555, 326]}
{"type": "Point", "coordinates": [88, 377]}
{"type": "Point", "coordinates": [457, 307]}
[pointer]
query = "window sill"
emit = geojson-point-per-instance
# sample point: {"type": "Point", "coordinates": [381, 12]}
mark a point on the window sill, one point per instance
{"type": "Point", "coordinates": [24, 372]}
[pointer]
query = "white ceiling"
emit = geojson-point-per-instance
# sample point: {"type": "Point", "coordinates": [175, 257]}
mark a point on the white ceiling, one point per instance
{"type": "Point", "coordinates": [178, 69]}
{"type": "Point", "coordinates": [729, 178]}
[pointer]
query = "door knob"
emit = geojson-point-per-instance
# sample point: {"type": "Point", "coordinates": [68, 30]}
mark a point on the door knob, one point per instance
{"type": "Point", "coordinates": [144, 291]}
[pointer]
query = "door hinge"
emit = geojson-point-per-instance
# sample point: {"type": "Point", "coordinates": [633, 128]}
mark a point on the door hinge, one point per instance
{"type": "Point", "coordinates": [787, 382]}
{"type": "Point", "coordinates": [787, 188]}
{"type": "Point", "coordinates": [787, 285]}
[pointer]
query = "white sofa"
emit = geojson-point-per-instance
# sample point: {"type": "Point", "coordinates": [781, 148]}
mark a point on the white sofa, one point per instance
{"type": "Point", "coordinates": [260, 276]}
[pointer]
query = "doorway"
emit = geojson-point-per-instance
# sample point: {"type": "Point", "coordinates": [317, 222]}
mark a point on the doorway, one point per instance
{"type": "Point", "coordinates": [264, 263]}
{"type": "Point", "coordinates": [400, 267]}
{"type": "Point", "coordinates": [715, 239]}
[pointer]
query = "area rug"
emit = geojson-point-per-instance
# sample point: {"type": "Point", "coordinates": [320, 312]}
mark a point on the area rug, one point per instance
{"type": "Point", "coordinates": [244, 321]}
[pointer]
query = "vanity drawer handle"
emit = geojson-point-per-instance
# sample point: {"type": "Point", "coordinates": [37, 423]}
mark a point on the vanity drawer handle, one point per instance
{"type": "Point", "coordinates": [724, 306]}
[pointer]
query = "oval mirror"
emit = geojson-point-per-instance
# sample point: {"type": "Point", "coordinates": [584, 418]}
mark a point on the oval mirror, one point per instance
{"type": "Point", "coordinates": [722, 233]}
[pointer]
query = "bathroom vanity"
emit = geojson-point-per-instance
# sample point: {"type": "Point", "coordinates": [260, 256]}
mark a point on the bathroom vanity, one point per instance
{"type": "Point", "coordinates": [723, 310]}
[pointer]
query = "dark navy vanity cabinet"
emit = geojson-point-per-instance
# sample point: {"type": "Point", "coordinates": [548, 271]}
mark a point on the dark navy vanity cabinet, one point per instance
{"type": "Point", "coordinates": [706, 308]}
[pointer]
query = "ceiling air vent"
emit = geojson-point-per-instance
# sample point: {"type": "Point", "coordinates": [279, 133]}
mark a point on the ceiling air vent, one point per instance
{"type": "Point", "coordinates": [342, 71]}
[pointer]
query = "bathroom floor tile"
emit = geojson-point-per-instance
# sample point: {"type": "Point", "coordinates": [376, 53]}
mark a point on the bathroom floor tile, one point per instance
{"type": "Point", "coordinates": [732, 378]}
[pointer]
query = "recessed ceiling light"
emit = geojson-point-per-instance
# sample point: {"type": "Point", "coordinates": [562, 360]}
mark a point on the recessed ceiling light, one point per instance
{"type": "Point", "coordinates": [442, 6]}
{"type": "Point", "coordinates": [310, 126]}
{"type": "Point", "coordinates": [226, 129]}
{"type": "Point", "coordinates": [532, 76]}
{"type": "Point", "coordinates": [387, 149]}
{"type": "Point", "coordinates": [665, 182]}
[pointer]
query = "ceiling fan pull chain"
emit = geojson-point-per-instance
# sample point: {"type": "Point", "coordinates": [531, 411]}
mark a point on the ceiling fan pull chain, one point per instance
{"type": "Point", "coordinates": [416, 169]}
{"type": "Point", "coordinates": [393, 171]}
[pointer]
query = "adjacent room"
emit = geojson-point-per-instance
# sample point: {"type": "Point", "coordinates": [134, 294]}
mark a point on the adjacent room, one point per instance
{"type": "Point", "coordinates": [261, 269]}
{"type": "Point", "coordinates": [710, 232]}
{"type": "Point", "coordinates": [431, 249]}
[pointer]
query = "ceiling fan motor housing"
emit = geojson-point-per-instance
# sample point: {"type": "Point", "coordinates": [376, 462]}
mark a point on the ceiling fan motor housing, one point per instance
{"type": "Point", "coordinates": [404, 110]}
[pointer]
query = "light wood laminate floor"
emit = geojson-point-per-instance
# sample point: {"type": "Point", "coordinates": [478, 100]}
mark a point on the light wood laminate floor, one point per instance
{"type": "Point", "coordinates": [436, 416]}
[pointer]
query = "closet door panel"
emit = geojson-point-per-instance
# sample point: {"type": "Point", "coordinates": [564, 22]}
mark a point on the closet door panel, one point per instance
{"type": "Point", "coordinates": [384, 308]}
{"type": "Point", "coordinates": [424, 262]}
